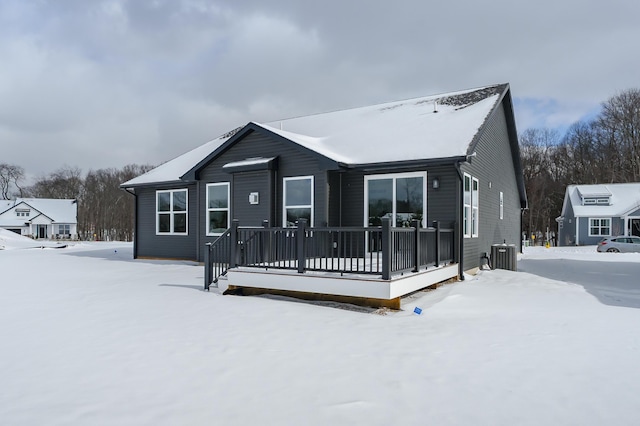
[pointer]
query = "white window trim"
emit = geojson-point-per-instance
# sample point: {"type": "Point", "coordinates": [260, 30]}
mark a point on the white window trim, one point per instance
{"type": "Point", "coordinates": [395, 176]}
{"type": "Point", "coordinates": [218, 209]}
{"type": "Point", "coordinates": [599, 226]}
{"type": "Point", "coordinates": [301, 206]}
{"type": "Point", "coordinates": [466, 207]}
{"type": "Point", "coordinates": [172, 213]}
{"type": "Point", "coordinates": [475, 211]}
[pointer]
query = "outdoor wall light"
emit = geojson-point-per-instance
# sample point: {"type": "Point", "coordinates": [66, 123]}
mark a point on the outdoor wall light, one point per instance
{"type": "Point", "coordinates": [436, 183]}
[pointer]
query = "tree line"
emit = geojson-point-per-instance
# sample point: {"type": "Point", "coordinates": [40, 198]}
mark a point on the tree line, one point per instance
{"type": "Point", "coordinates": [600, 150]}
{"type": "Point", "coordinates": [105, 212]}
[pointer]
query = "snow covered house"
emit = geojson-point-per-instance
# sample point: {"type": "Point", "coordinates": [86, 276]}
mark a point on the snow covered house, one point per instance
{"type": "Point", "coordinates": [40, 217]}
{"type": "Point", "coordinates": [442, 173]}
{"type": "Point", "coordinates": [591, 212]}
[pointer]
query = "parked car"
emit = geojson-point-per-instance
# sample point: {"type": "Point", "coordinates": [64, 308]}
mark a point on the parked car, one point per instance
{"type": "Point", "coordinates": [620, 244]}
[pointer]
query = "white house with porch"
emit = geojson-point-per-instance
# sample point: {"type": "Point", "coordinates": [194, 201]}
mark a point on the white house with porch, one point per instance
{"type": "Point", "coordinates": [40, 217]}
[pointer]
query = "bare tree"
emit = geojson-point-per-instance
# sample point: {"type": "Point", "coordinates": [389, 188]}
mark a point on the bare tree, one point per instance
{"type": "Point", "coordinates": [11, 177]}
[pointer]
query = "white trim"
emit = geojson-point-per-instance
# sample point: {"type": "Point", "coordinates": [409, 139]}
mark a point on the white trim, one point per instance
{"type": "Point", "coordinates": [393, 177]}
{"type": "Point", "coordinates": [171, 213]}
{"type": "Point", "coordinates": [600, 226]}
{"type": "Point", "coordinates": [301, 206]}
{"type": "Point", "coordinates": [502, 207]}
{"type": "Point", "coordinates": [217, 209]}
{"type": "Point", "coordinates": [466, 207]}
{"type": "Point", "coordinates": [475, 207]}
{"type": "Point", "coordinates": [332, 283]}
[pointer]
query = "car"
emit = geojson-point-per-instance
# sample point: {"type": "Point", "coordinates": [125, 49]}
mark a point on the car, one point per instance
{"type": "Point", "coordinates": [620, 244]}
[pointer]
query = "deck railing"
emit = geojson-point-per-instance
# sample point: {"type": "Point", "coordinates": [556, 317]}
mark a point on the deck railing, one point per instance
{"type": "Point", "coordinates": [383, 250]}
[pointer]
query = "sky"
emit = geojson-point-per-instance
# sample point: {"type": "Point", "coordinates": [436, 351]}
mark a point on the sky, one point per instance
{"type": "Point", "coordinates": [97, 84]}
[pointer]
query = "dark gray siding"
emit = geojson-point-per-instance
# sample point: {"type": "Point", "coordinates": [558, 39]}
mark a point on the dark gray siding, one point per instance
{"type": "Point", "coordinates": [292, 161]}
{"type": "Point", "coordinates": [148, 244]}
{"type": "Point", "coordinates": [493, 167]}
{"type": "Point", "coordinates": [441, 202]}
{"type": "Point", "coordinates": [244, 184]}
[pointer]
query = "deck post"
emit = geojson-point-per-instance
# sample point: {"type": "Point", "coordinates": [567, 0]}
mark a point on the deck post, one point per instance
{"type": "Point", "coordinates": [415, 224]}
{"type": "Point", "coordinates": [233, 244]}
{"type": "Point", "coordinates": [386, 248]}
{"type": "Point", "coordinates": [300, 241]}
{"type": "Point", "coordinates": [207, 266]}
{"type": "Point", "coordinates": [436, 224]}
{"type": "Point", "coordinates": [264, 246]}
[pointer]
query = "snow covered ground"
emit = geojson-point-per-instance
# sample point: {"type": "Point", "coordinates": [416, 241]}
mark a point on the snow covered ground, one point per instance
{"type": "Point", "coordinates": [91, 337]}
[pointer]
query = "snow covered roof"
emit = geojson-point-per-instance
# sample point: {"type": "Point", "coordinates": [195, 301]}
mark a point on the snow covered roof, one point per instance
{"type": "Point", "coordinates": [58, 210]}
{"type": "Point", "coordinates": [593, 191]}
{"type": "Point", "coordinates": [431, 127]}
{"type": "Point", "coordinates": [624, 198]}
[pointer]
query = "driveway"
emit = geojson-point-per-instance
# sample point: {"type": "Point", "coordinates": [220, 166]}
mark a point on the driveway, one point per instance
{"type": "Point", "coordinates": [613, 283]}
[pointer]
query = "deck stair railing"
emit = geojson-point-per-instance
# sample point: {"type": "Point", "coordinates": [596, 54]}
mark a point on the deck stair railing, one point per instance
{"type": "Point", "coordinates": [385, 251]}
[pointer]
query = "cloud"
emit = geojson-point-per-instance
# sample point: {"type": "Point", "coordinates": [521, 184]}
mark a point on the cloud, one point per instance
{"type": "Point", "coordinates": [105, 83]}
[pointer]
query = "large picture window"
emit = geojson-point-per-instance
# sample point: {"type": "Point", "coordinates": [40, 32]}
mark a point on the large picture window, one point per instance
{"type": "Point", "coordinates": [218, 216]}
{"type": "Point", "coordinates": [171, 212]}
{"type": "Point", "coordinates": [598, 227]}
{"type": "Point", "coordinates": [400, 197]}
{"type": "Point", "coordinates": [297, 199]}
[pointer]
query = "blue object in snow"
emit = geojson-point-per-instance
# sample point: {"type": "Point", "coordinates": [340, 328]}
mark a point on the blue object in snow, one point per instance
{"type": "Point", "coordinates": [417, 311]}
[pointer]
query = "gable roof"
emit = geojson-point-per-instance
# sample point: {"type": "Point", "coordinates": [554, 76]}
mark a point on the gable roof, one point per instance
{"type": "Point", "coordinates": [433, 127]}
{"type": "Point", "coordinates": [58, 210]}
{"type": "Point", "coordinates": [625, 197]}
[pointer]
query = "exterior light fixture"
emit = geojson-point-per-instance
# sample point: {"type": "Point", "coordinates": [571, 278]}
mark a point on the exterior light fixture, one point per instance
{"type": "Point", "coordinates": [436, 183]}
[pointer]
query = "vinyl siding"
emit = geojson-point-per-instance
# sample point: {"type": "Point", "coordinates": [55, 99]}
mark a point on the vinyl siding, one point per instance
{"type": "Point", "coordinates": [148, 244]}
{"type": "Point", "coordinates": [493, 167]}
{"type": "Point", "coordinates": [292, 161]}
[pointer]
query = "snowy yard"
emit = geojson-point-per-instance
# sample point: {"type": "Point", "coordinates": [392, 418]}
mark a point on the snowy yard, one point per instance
{"type": "Point", "coordinates": [91, 337]}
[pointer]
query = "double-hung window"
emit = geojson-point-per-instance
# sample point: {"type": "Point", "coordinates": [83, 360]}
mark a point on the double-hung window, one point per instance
{"type": "Point", "coordinates": [171, 212]}
{"type": "Point", "coordinates": [471, 217]}
{"type": "Point", "coordinates": [599, 227]}
{"type": "Point", "coordinates": [64, 229]}
{"type": "Point", "coordinates": [217, 208]}
{"type": "Point", "coordinates": [297, 195]}
{"type": "Point", "coordinates": [475, 222]}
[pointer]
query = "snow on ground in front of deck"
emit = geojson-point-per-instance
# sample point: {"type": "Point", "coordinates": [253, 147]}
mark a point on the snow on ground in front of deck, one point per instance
{"type": "Point", "coordinates": [90, 336]}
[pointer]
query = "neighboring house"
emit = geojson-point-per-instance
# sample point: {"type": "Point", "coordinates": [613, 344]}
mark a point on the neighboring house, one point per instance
{"type": "Point", "coordinates": [40, 217]}
{"type": "Point", "coordinates": [452, 158]}
{"type": "Point", "coordinates": [591, 212]}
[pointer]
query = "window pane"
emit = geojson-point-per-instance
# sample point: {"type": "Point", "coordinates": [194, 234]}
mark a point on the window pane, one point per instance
{"type": "Point", "coordinates": [298, 192]}
{"type": "Point", "coordinates": [294, 214]}
{"type": "Point", "coordinates": [164, 201]}
{"type": "Point", "coordinates": [409, 197]}
{"type": "Point", "coordinates": [180, 201]}
{"type": "Point", "coordinates": [218, 222]}
{"type": "Point", "coordinates": [164, 223]}
{"type": "Point", "coordinates": [218, 197]}
{"type": "Point", "coordinates": [180, 222]}
{"type": "Point", "coordinates": [380, 194]}
{"type": "Point", "coordinates": [467, 190]}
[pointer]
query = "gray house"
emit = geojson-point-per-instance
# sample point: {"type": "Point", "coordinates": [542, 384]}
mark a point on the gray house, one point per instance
{"type": "Point", "coordinates": [446, 167]}
{"type": "Point", "coordinates": [591, 212]}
